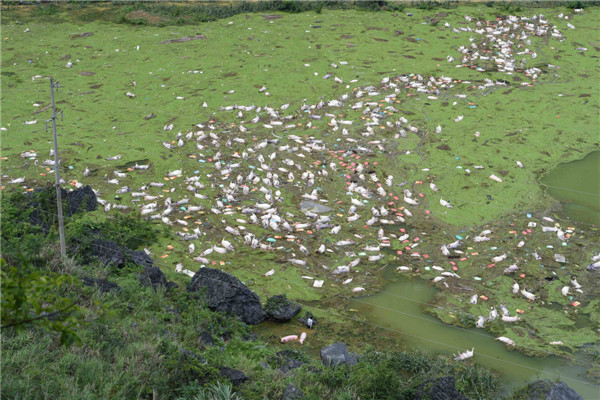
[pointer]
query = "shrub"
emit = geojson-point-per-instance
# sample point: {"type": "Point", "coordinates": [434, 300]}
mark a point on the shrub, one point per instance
{"type": "Point", "coordinates": [33, 297]}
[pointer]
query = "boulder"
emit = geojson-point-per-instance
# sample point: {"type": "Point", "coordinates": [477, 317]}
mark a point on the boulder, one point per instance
{"type": "Point", "coordinates": [83, 199]}
{"type": "Point", "coordinates": [226, 293]}
{"type": "Point", "coordinates": [108, 252]}
{"type": "Point", "coordinates": [103, 285]}
{"type": "Point", "coordinates": [286, 360]}
{"type": "Point", "coordinates": [439, 389]}
{"type": "Point", "coordinates": [139, 257]}
{"type": "Point", "coordinates": [279, 308]}
{"type": "Point", "coordinates": [548, 390]}
{"type": "Point", "coordinates": [309, 320]}
{"type": "Point", "coordinates": [236, 377]}
{"type": "Point", "coordinates": [188, 355]}
{"type": "Point", "coordinates": [206, 340]}
{"type": "Point", "coordinates": [336, 354]}
{"type": "Point", "coordinates": [42, 201]}
{"type": "Point", "coordinates": [292, 393]}
{"type": "Point", "coordinates": [153, 276]}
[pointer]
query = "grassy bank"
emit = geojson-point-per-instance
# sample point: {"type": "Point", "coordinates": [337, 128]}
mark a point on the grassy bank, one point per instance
{"type": "Point", "coordinates": [134, 341]}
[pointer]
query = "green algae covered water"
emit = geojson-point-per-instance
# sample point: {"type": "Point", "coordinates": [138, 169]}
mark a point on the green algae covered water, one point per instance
{"type": "Point", "coordinates": [399, 307]}
{"type": "Point", "coordinates": [577, 186]}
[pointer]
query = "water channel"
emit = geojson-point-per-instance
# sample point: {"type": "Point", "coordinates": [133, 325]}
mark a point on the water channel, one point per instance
{"type": "Point", "coordinates": [577, 186]}
{"type": "Point", "coordinates": [399, 307]}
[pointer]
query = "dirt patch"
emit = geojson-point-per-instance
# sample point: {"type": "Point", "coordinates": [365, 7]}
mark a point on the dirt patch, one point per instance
{"type": "Point", "coordinates": [398, 33]}
{"type": "Point", "coordinates": [443, 147]}
{"type": "Point", "coordinates": [347, 36]}
{"type": "Point", "coordinates": [380, 40]}
{"type": "Point", "coordinates": [229, 74]}
{"type": "Point", "coordinates": [86, 73]}
{"type": "Point", "coordinates": [185, 39]}
{"type": "Point", "coordinates": [269, 17]}
{"type": "Point", "coordinates": [376, 28]}
{"type": "Point", "coordinates": [408, 56]}
{"type": "Point", "coordinates": [65, 57]}
{"type": "Point", "coordinates": [96, 86]}
{"type": "Point", "coordinates": [82, 35]}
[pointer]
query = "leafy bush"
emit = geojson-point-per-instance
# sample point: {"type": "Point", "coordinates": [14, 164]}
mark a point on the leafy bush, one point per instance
{"type": "Point", "coordinates": [377, 376]}
{"type": "Point", "coordinates": [33, 297]}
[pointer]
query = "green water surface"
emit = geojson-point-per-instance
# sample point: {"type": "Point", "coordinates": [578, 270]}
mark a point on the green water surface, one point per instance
{"type": "Point", "coordinates": [577, 186]}
{"type": "Point", "coordinates": [400, 307]}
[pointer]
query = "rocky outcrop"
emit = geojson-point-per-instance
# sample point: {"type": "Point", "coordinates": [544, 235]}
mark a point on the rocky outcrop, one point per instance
{"type": "Point", "coordinates": [292, 393]}
{"type": "Point", "coordinates": [286, 360]}
{"type": "Point", "coordinates": [236, 377]}
{"type": "Point", "coordinates": [42, 203]}
{"type": "Point", "coordinates": [205, 339]}
{"type": "Point", "coordinates": [139, 257]}
{"type": "Point", "coordinates": [439, 389]}
{"type": "Point", "coordinates": [226, 293]}
{"type": "Point", "coordinates": [82, 199]}
{"type": "Point", "coordinates": [548, 390]}
{"type": "Point", "coordinates": [103, 285]}
{"type": "Point", "coordinates": [337, 354]}
{"type": "Point", "coordinates": [107, 251]}
{"type": "Point", "coordinates": [279, 308]}
{"type": "Point", "coordinates": [153, 276]}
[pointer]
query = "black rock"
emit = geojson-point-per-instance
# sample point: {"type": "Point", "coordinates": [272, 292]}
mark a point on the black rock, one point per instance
{"type": "Point", "coordinates": [336, 354]}
{"type": "Point", "coordinates": [226, 293]}
{"type": "Point", "coordinates": [139, 257]}
{"type": "Point", "coordinates": [172, 285]}
{"type": "Point", "coordinates": [188, 355]}
{"type": "Point", "coordinates": [108, 252]}
{"type": "Point", "coordinates": [206, 340]}
{"type": "Point", "coordinates": [153, 276]}
{"type": "Point", "coordinates": [290, 365]}
{"type": "Point", "coordinates": [264, 365]}
{"type": "Point", "coordinates": [42, 202]}
{"type": "Point", "coordinates": [279, 308]}
{"type": "Point", "coordinates": [309, 320]}
{"type": "Point", "coordinates": [548, 390]}
{"type": "Point", "coordinates": [236, 377]}
{"type": "Point", "coordinates": [250, 337]}
{"type": "Point", "coordinates": [103, 285]}
{"type": "Point", "coordinates": [83, 199]}
{"type": "Point", "coordinates": [439, 389]}
{"type": "Point", "coordinates": [292, 393]}
{"type": "Point", "coordinates": [286, 360]}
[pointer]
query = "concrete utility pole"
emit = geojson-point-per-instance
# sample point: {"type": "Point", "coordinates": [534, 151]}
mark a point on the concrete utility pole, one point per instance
{"type": "Point", "coordinates": [61, 224]}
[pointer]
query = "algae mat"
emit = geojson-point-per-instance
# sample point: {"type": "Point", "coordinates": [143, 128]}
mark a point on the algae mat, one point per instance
{"type": "Point", "coordinates": [540, 126]}
{"type": "Point", "coordinates": [414, 131]}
